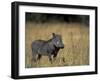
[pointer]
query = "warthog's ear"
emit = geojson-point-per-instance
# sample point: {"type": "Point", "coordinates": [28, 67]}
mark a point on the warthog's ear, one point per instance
{"type": "Point", "coordinates": [53, 34]}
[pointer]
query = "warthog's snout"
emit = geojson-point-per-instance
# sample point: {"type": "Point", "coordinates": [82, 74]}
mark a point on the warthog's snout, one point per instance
{"type": "Point", "coordinates": [62, 46]}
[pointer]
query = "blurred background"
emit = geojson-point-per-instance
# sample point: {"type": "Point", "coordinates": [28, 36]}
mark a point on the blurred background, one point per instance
{"type": "Point", "coordinates": [43, 18]}
{"type": "Point", "coordinates": [74, 30]}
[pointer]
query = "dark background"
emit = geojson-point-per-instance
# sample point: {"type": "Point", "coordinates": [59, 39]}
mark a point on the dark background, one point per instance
{"type": "Point", "coordinates": [53, 18]}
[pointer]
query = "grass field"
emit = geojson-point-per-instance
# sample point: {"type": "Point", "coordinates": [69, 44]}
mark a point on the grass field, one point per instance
{"type": "Point", "coordinates": [75, 37]}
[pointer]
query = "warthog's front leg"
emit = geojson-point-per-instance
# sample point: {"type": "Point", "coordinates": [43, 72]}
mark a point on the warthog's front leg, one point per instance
{"type": "Point", "coordinates": [39, 57]}
{"type": "Point", "coordinates": [54, 56]}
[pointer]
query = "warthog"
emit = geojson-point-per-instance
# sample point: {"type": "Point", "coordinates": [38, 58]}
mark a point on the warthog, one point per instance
{"type": "Point", "coordinates": [48, 48]}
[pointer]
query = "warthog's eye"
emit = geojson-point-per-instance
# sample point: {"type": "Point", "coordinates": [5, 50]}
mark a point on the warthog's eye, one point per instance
{"type": "Point", "coordinates": [57, 42]}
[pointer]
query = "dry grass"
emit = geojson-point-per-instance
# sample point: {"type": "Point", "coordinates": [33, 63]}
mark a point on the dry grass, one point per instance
{"type": "Point", "coordinates": [75, 37]}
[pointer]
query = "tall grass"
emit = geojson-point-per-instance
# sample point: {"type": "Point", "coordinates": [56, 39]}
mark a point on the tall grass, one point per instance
{"type": "Point", "coordinates": [75, 37]}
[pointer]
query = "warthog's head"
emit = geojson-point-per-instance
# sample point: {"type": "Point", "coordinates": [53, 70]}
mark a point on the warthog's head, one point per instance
{"type": "Point", "coordinates": [57, 41]}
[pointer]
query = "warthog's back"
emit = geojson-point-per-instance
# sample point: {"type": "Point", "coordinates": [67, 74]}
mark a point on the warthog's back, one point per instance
{"type": "Point", "coordinates": [40, 47]}
{"type": "Point", "coordinates": [37, 44]}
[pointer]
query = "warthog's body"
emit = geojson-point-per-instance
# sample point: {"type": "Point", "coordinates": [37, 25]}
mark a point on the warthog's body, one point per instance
{"type": "Point", "coordinates": [48, 48]}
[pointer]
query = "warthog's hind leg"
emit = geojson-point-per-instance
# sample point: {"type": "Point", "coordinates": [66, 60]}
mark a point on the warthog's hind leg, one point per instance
{"type": "Point", "coordinates": [34, 58]}
{"type": "Point", "coordinates": [50, 58]}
